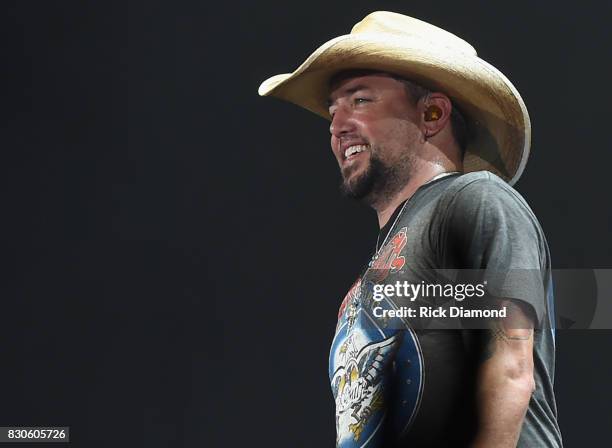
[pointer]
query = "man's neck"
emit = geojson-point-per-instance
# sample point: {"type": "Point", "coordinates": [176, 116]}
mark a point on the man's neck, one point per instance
{"type": "Point", "coordinates": [386, 209]}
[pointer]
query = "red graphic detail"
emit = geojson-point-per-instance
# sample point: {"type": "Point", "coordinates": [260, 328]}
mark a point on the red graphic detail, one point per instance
{"type": "Point", "coordinates": [389, 259]}
{"type": "Point", "coordinates": [349, 295]}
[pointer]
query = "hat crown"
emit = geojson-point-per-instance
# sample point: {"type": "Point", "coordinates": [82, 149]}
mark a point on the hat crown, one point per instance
{"type": "Point", "coordinates": [407, 27]}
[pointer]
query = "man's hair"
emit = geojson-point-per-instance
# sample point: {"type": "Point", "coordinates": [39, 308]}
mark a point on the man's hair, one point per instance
{"type": "Point", "coordinates": [415, 92]}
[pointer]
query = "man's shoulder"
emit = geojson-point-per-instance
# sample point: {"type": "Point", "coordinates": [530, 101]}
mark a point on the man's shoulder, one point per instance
{"type": "Point", "coordinates": [481, 180]}
{"type": "Point", "coordinates": [470, 196]}
{"type": "Point", "coordinates": [481, 195]}
{"type": "Point", "coordinates": [482, 186]}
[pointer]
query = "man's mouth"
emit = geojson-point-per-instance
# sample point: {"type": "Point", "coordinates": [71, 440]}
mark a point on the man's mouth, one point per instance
{"type": "Point", "coordinates": [351, 151]}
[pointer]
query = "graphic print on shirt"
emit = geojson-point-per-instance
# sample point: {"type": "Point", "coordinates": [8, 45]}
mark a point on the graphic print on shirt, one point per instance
{"type": "Point", "coordinates": [350, 300]}
{"type": "Point", "coordinates": [369, 358]}
{"type": "Point", "coordinates": [389, 260]}
{"type": "Point", "coordinates": [356, 382]}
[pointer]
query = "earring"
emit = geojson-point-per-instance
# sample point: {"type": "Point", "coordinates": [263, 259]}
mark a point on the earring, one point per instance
{"type": "Point", "coordinates": [433, 113]}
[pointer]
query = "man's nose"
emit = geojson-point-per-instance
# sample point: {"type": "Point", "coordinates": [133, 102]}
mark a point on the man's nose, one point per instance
{"type": "Point", "coordinates": [341, 123]}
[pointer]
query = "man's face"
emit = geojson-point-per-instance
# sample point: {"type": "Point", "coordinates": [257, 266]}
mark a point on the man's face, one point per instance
{"type": "Point", "coordinates": [375, 135]}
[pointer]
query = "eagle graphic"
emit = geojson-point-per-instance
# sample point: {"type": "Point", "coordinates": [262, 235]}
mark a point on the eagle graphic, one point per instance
{"type": "Point", "coordinates": [356, 383]}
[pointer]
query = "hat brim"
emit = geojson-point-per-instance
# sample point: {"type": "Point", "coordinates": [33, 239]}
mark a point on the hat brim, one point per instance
{"type": "Point", "coordinates": [498, 119]}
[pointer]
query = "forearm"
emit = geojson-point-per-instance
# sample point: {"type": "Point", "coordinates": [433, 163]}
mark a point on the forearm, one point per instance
{"type": "Point", "coordinates": [503, 401]}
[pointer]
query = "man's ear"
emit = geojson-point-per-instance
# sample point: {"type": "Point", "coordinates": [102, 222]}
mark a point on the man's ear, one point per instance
{"type": "Point", "coordinates": [436, 109]}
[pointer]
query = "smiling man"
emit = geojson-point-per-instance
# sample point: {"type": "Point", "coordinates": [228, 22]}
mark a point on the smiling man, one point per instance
{"type": "Point", "coordinates": [378, 140]}
{"type": "Point", "coordinates": [431, 137]}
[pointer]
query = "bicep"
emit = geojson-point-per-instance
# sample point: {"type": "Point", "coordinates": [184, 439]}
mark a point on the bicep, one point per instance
{"type": "Point", "coordinates": [506, 345]}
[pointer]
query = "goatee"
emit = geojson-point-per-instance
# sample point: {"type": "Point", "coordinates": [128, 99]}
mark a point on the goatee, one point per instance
{"type": "Point", "coordinates": [379, 182]}
{"type": "Point", "coordinates": [362, 185]}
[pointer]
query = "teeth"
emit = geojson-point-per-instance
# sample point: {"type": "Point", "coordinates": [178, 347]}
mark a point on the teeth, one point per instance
{"type": "Point", "coordinates": [354, 150]}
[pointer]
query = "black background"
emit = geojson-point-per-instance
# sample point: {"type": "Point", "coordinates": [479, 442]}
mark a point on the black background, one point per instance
{"type": "Point", "coordinates": [176, 247]}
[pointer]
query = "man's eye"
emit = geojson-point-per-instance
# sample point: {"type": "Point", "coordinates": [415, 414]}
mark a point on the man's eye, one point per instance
{"type": "Point", "coordinates": [361, 100]}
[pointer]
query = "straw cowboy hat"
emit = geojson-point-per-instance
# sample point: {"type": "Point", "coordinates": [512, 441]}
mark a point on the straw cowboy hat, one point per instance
{"type": "Point", "coordinates": [430, 56]}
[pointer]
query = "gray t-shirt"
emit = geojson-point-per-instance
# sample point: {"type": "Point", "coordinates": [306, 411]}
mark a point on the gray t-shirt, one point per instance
{"type": "Point", "coordinates": [399, 385]}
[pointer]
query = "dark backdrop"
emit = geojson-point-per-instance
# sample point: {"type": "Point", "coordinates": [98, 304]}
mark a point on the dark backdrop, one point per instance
{"type": "Point", "coordinates": [176, 247]}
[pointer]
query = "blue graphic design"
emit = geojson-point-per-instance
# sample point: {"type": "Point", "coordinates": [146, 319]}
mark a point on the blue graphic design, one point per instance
{"type": "Point", "coordinates": [369, 358]}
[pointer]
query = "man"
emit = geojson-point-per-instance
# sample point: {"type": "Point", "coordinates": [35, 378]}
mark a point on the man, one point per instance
{"type": "Point", "coordinates": [431, 137]}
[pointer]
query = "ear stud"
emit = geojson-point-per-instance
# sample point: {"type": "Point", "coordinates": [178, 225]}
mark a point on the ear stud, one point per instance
{"type": "Point", "coordinates": [433, 113]}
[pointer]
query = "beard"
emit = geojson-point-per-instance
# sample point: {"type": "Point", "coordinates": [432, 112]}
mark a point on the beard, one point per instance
{"type": "Point", "coordinates": [380, 180]}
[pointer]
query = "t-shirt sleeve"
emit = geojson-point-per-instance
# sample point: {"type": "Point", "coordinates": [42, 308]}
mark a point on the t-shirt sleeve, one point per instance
{"type": "Point", "coordinates": [489, 229]}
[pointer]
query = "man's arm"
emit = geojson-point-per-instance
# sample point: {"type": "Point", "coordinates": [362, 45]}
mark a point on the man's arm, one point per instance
{"type": "Point", "coordinates": [505, 378]}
